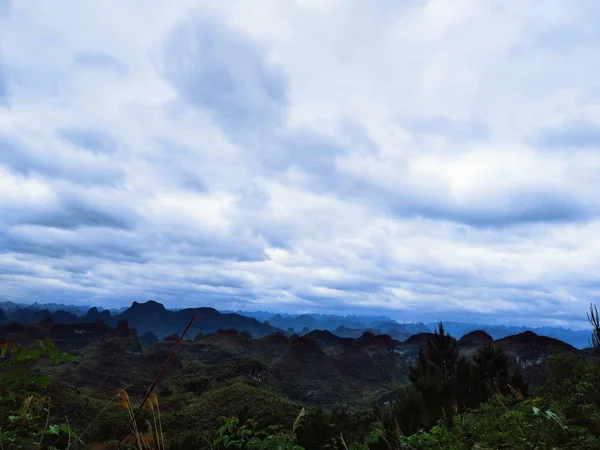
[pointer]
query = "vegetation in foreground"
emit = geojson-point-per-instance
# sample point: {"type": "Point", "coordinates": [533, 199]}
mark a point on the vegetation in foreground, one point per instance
{"type": "Point", "coordinates": [450, 403]}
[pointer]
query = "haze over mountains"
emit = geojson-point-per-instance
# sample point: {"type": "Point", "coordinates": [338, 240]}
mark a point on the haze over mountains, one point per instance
{"type": "Point", "coordinates": [153, 317]}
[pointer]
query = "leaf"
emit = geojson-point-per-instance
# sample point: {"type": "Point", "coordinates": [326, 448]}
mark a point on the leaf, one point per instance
{"type": "Point", "coordinates": [536, 411]}
{"type": "Point", "coordinates": [67, 357]}
{"type": "Point", "coordinates": [53, 429]}
{"type": "Point", "coordinates": [67, 430]}
{"type": "Point", "coordinates": [551, 415]}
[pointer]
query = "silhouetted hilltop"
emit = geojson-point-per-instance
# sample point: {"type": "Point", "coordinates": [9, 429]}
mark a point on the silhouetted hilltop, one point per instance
{"type": "Point", "coordinates": [153, 316]}
{"type": "Point", "coordinates": [418, 339]}
{"type": "Point", "coordinates": [380, 340]}
{"type": "Point", "coordinates": [276, 338]}
{"type": "Point", "coordinates": [67, 337]}
{"type": "Point", "coordinates": [529, 341]}
{"type": "Point", "coordinates": [346, 326]}
{"type": "Point", "coordinates": [323, 337]}
{"type": "Point", "coordinates": [345, 332]}
{"type": "Point", "coordinates": [61, 316]}
{"type": "Point", "coordinates": [475, 338]}
{"type": "Point", "coordinates": [577, 338]}
{"type": "Point", "coordinates": [94, 314]}
{"type": "Point", "coordinates": [148, 339]}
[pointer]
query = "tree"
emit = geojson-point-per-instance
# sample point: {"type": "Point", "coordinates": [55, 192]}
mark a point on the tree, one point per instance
{"type": "Point", "coordinates": [492, 374]}
{"type": "Point", "coordinates": [441, 376]}
{"type": "Point", "coordinates": [594, 319]}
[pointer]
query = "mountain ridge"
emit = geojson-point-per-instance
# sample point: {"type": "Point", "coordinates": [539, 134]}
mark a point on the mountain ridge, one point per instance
{"type": "Point", "coordinates": [352, 325]}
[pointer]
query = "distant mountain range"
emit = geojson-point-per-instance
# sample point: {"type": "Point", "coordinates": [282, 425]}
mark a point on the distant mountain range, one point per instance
{"type": "Point", "coordinates": [346, 326]}
{"type": "Point", "coordinates": [145, 317]}
{"type": "Point", "coordinates": [348, 320]}
{"type": "Point", "coordinates": [318, 368]}
{"type": "Point", "coordinates": [153, 317]}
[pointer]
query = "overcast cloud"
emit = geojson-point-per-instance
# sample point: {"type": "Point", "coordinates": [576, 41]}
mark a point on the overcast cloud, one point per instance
{"type": "Point", "coordinates": [421, 159]}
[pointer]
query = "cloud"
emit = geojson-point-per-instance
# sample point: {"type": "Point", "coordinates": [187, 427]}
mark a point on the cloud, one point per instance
{"type": "Point", "coordinates": [73, 217]}
{"type": "Point", "coordinates": [92, 140]}
{"type": "Point", "coordinates": [225, 72]}
{"type": "Point", "coordinates": [570, 136]}
{"type": "Point", "coordinates": [100, 61]}
{"type": "Point", "coordinates": [5, 9]}
{"type": "Point", "coordinates": [3, 90]}
{"type": "Point", "coordinates": [444, 127]}
{"type": "Point", "coordinates": [41, 157]}
{"type": "Point", "coordinates": [407, 158]}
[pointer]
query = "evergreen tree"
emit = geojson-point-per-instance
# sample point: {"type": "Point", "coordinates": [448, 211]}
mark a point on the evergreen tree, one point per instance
{"type": "Point", "coordinates": [492, 374]}
{"type": "Point", "coordinates": [594, 319]}
{"type": "Point", "coordinates": [441, 376]}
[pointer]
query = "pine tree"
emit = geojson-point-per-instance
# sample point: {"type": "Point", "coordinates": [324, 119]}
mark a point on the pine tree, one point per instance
{"type": "Point", "coordinates": [492, 373]}
{"type": "Point", "coordinates": [441, 376]}
{"type": "Point", "coordinates": [594, 319]}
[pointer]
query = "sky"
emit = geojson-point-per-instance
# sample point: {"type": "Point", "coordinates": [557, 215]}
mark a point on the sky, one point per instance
{"type": "Point", "coordinates": [422, 159]}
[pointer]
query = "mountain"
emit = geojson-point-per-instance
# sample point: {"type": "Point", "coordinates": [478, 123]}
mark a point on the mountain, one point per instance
{"type": "Point", "coordinates": [77, 310]}
{"type": "Point", "coordinates": [529, 344]}
{"type": "Point", "coordinates": [475, 338]}
{"type": "Point", "coordinates": [345, 332]}
{"type": "Point", "coordinates": [30, 316]}
{"type": "Point", "coordinates": [61, 316]}
{"type": "Point", "coordinates": [261, 316]}
{"type": "Point", "coordinates": [577, 338]}
{"type": "Point", "coordinates": [415, 328]}
{"type": "Point", "coordinates": [324, 321]}
{"type": "Point", "coordinates": [150, 316]}
{"type": "Point", "coordinates": [397, 330]}
{"type": "Point", "coordinates": [530, 352]}
{"type": "Point", "coordinates": [297, 323]}
{"type": "Point", "coordinates": [346, 326]}
{"type": "Point", "coordinates": [153, 316]}
{"type": "Point", "coordinates": [324, 338]}
{"type": "Point", "coordinates": [8, 306]}
{"type": "Point", "coordinates": [25, 316]}
{"type": "Point", "coordinates": [118, 359]}
{"type": "Point", "coordinates": [93, 315]}
{"type": "Point", "coordinates": [3, 318]}
{"type": "Point", "coordinates": [148, 339]}
{"type": "Point", "coordinates": [67, 337]}
{"type": "Point", "coordinates": [147, 313]}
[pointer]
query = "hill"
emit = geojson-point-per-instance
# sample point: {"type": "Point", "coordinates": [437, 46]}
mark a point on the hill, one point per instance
{"type": "Point", "coordinates": [360, 376]}
{"type": "Point", "coordinates": [146, 317]}
{"type": "Point", "coordinates": [153, 317]}
{"type": "Point", "coordinates": [577, 338]}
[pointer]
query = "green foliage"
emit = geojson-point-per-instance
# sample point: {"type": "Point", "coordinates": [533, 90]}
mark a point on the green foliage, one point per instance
{"type": "Point", "coordinates": [439, 375]}
{"type": "Point", "coordinates": [504, 423]}
{"type": "Point", "coordinates": [452, 402]}
{"type": "Point", "coordinates": [594, 319]}
{"type": "Point", "coordinates": [235, 436]}
{"type": "Point", "coordinates": [19, 376]}
{"type": "Point", "coordinates": [192, 424]}
{"type": "Point", "coordinates": [449, 384]}
{"type": "Point", "coordinates": [574, 387]}
{"type": "Point", "coordinates": [24, 406]}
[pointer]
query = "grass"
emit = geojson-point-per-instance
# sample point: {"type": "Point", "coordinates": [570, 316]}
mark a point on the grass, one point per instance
{"type": "Point", "coordinates": [153, 438]}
